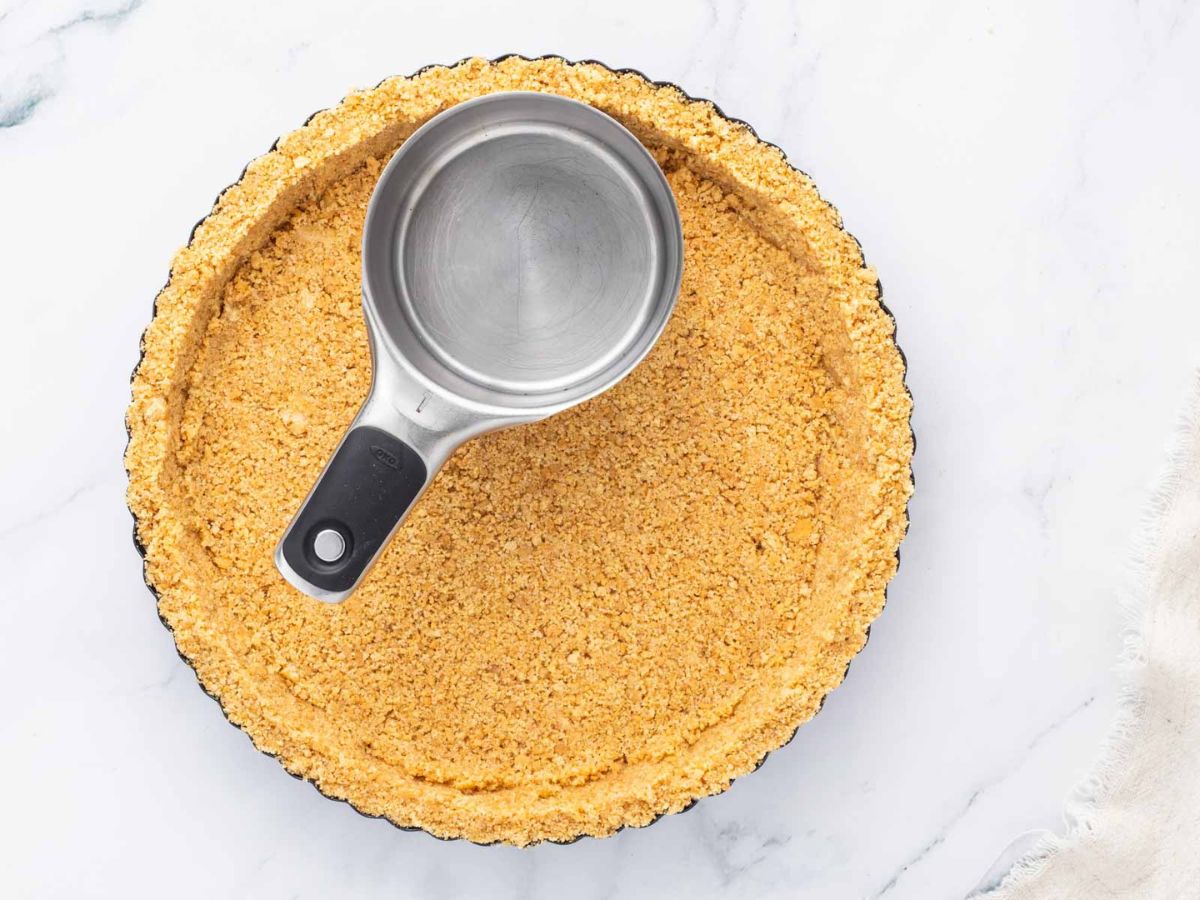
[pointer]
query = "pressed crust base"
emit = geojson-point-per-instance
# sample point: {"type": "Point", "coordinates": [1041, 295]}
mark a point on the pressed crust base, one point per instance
{"type": "Point", "coordinates": [586, 622]}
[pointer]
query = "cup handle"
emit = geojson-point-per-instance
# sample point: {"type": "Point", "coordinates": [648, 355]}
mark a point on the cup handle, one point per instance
{"type": "Point", "coordinates": [360, 499]}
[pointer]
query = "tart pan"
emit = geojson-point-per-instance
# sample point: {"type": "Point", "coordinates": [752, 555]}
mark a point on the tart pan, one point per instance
{"type": "Point", "coordinates": [740, 128]}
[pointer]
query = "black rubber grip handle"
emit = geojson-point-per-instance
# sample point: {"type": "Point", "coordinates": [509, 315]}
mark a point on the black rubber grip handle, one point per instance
{"type": "Point", "coordinates": [365, 490]}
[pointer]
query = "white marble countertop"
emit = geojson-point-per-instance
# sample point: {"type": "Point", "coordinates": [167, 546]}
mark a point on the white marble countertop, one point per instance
{"type": "Point", "coordinates": [1024, 179]}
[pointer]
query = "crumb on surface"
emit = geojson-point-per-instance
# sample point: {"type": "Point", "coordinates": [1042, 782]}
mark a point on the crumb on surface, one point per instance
{"type": "Point", "coordinates": [585, 622]}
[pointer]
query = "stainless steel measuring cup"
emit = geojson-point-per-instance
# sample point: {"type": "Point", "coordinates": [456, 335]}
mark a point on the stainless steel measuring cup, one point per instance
{"type": "Point", "coordinates": [522, 252]}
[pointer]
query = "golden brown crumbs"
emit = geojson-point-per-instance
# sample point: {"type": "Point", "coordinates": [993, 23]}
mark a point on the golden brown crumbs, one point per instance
{"type": "Point", "coordinates": [585, 622]}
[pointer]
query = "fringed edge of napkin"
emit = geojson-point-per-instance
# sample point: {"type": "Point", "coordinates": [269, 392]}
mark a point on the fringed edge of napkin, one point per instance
{"type": "Point", "coordinates": [1086, 804]}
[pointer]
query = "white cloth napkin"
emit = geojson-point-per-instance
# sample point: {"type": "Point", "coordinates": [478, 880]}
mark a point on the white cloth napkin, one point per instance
{"type": "Point", "coordinates": [1135, 825]}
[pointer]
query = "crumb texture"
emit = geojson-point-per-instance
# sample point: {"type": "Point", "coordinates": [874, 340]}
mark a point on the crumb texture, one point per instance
{"type": "Point", "coordinates": [585, 622]}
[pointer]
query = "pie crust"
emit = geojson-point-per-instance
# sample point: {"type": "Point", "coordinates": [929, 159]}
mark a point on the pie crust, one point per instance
{"type": "Point", "coordinates": [586, 622]}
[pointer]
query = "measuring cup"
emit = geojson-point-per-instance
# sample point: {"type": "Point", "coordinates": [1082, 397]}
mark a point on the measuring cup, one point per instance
{"type": "Point", "coordinates": [522, 252]}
